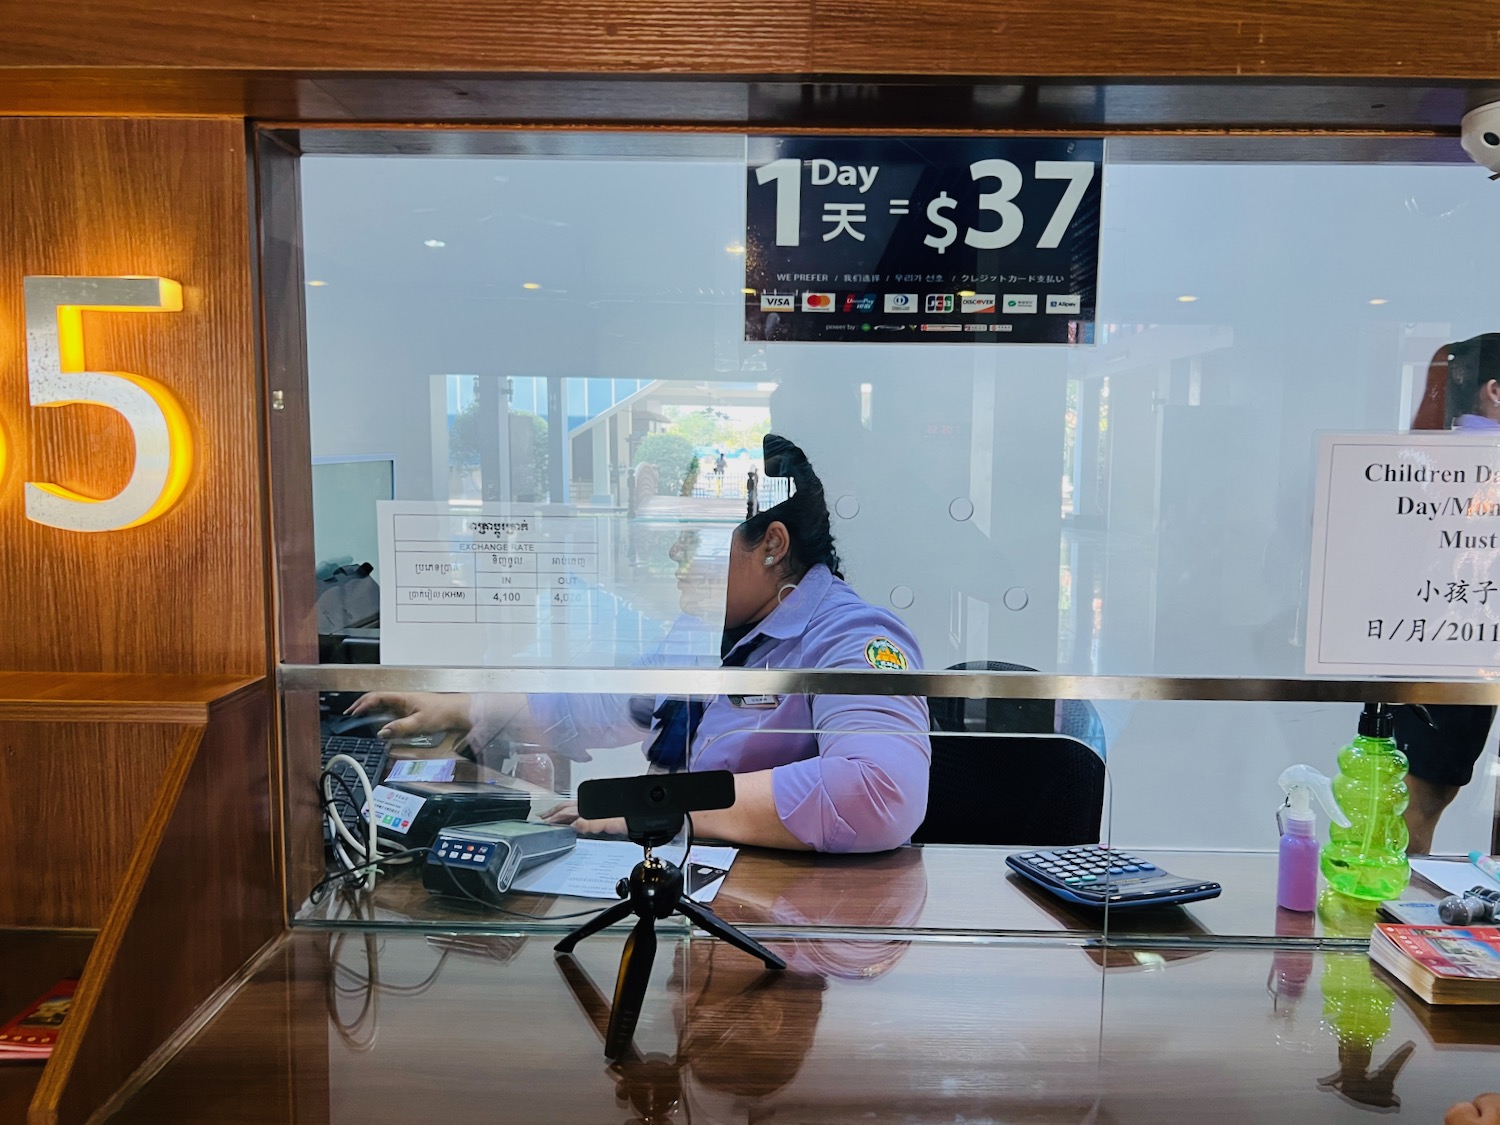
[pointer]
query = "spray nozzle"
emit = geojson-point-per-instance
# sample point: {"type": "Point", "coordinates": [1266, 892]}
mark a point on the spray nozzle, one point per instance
{"type": "Point", "coordinates": [1301, 783]}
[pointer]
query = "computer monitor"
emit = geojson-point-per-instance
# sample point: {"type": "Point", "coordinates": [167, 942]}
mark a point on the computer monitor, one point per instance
{"type": "Point", "coordinates": [345, 490]}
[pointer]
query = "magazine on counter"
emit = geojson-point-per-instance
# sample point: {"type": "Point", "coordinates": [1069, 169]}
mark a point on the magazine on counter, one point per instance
{"type": "Point", "coordinates": [32, 1034]}
{"type": "Point", "coordinates": [1442, 964]}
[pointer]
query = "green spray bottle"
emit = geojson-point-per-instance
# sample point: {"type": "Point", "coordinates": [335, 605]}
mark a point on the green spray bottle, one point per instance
{"type": "Point", "coordinates": [1367, 858]}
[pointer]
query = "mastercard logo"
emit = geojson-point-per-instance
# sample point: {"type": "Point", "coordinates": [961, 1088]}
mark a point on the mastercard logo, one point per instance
{"type": "Point", "coordinates": [817, 302]}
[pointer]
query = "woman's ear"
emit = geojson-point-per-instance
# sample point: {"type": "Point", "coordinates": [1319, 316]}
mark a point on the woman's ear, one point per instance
{"type": "Point", "coordinates": [778, 541]}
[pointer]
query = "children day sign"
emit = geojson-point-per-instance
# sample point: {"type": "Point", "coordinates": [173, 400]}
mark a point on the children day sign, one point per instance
{"type": "Point", "coordinates": [1405, 570]}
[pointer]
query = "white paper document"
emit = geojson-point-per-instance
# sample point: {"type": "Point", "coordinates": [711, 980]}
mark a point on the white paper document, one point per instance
{"type": "Point", "coordinates": [1454, 875]}
{"type": "Point", "coordinates": [592, 869]}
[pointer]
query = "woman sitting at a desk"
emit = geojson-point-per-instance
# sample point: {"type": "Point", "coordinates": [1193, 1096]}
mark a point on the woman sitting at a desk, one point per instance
{"type": "Point", "coordinates": [858, 785]}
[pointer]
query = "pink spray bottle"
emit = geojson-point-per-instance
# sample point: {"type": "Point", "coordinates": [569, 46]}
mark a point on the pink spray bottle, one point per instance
{"type": "Point", "coordinates": [1297, 870]}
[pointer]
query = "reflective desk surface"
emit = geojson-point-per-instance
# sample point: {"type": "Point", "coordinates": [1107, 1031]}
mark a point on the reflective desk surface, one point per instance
{"type": "Point", "coordinates": [952, 889]}
{"type": "Point", "coordinates": [376, 1027]}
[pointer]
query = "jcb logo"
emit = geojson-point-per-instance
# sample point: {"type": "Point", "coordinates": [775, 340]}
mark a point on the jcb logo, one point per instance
{"type": "Point", "coordinates": [57, 375]}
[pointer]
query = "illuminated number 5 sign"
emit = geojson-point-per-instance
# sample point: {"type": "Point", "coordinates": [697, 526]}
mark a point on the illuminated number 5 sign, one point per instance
{"type": "Point", "coordinates": [58, 376]}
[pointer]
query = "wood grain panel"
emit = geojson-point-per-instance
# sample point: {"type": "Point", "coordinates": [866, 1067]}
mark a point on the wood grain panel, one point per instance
{"type": "Point", "coordinates": [73, 802]}
{"type": "Point", "coordinates": [855, 1032]}
{"type": "Point", "coordinates": [202, 895]}
{"type": "Point", "coordinates": [1334, 38]}
{"type": "Point", "coordinates": [1217, 38]}
{"type": "Point", "coordinates": [104, 697]}
{"type": "Point", "coordinates": [186, 593]}
{"type": "Point", "coordinates": [32, 961]}
{"type": "Point", "coordinates": [567, 35]}
{"type": "Point", "coordinates": [284, 333]}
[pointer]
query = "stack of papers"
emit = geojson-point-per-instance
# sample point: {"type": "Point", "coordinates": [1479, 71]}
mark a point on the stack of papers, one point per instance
{"type": "Point", "coordinates": [592, 869]}
{"type": "Point", "coordinates": [1454, 875]}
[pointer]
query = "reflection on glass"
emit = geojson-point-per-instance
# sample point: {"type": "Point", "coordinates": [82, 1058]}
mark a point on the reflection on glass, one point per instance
{"type": "Point", "coordinates": [742, 1030]}
{"type": "Point", "coordinates": [1150, 494]}
{"type": "Point", "coordinates": [829, 773]}
{"type": "Point", "coordinates": [1357, 1009]}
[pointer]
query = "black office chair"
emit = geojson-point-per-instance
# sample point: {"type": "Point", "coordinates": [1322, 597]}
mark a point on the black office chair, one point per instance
{"type": "Point", "coordinates": [1019, 783]}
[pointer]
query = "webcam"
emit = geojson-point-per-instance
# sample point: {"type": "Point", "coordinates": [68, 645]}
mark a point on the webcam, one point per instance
{"type": "Point", "coordinates": [655, 804]}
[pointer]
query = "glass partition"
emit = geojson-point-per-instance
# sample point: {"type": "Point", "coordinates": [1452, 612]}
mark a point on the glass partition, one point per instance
{"type": "Point", "coordinates": [537, 428]}
{"type": "Point", "coordinates": [857, 796]}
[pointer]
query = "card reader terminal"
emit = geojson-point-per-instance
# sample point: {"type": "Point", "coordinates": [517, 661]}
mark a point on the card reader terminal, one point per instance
{"type": "Point", "coordinates": [482, 860]}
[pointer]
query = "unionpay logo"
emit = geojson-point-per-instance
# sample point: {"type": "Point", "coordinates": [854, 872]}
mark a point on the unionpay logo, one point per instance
{"type": "Point", "coordinates": [778, 302]}
{"type": "Point", "coordinates": [817, 302]}
{"type": "Point", "coordinates": [859, 302]}
{"type": "Point", "coordinates": [1013, 303]}
{"type": "Point", "coordinates": [979, 303]}
{"type": "Point", "coordinates": [900, 302]}
{"type": "Point", "coordinates": [939, 303]}
{"type": "Point", "coordinates": [1064, 303]}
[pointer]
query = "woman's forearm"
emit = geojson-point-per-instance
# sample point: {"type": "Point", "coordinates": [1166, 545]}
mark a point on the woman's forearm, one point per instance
{"type": "Point", "coordinates": [752, 819]}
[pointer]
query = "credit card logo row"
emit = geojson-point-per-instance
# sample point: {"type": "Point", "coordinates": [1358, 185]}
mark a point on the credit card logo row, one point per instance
{"type": "Point", "coordinates": [1010, 304]}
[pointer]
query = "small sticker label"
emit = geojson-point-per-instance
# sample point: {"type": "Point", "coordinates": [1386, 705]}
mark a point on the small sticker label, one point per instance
{"type": "Point", "coordinates": [885, 654]}
{"type": "Point", "coordinates": [394, 810]}
{"type": "Point", "coordinates": [422, 769]}
{"type": "Point", "coordinates": [755, 700]}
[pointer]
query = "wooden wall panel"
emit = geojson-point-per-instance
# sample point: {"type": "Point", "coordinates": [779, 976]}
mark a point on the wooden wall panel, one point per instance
{"type": "Point", "coordinates": [284, 332]}
{"type": "Point", "coordinates": [1211, 38]}
{"type": "Point", "coordinates": [201, 895]}
{"type": "Point", "coordinates": [1036, 38]}
{"type": "Point", "coordinates": [185, 593]}
{"type": "Point", "coordinates": [454, 35]}
{"type": "Point", "coordinates": [73, 800]}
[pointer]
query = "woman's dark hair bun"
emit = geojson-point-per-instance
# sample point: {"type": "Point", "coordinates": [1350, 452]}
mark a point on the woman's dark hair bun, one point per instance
{"type": "Point", "coordinates": [1471, 364]}
{"type": "Point", "coordinates": [804, 513]}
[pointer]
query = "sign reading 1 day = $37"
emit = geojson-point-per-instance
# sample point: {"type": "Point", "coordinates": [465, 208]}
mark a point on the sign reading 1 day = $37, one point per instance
{"type": "Point", "coordinates": [1405, 572]}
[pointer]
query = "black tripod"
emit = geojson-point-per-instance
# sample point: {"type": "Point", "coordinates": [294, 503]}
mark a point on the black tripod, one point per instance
{"type": "Point", "coordinates": [654, 890]}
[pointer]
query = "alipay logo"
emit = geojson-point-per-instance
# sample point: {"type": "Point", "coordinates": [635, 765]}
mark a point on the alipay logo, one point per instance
{"type": "Point", "coordinates": [1064, 303]}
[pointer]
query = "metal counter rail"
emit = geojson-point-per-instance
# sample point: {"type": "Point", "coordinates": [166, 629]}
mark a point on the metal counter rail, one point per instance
{"type": "Point", "coordinates": [936, 684]}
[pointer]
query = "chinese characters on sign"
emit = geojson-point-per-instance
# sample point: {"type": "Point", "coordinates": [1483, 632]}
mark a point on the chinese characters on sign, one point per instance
{"type": "Point", "coordinates": [1405, 575]}
{"type": "Point", "coordinates": [482, 583]}
{"type": "Point", "coordinates": [922, 240]}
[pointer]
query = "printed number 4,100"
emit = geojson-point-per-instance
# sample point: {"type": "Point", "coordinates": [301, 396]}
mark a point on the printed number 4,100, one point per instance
{"type": "Point", "coordinates": [56, 375]}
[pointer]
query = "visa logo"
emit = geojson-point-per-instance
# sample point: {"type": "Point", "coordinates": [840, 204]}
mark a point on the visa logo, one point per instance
{"type": "Point", "coordinates": [778, 302]}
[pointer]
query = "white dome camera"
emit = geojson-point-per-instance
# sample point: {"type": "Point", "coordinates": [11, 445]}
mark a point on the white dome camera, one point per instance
{"type": "Point", "coordinates": [1481, 136]}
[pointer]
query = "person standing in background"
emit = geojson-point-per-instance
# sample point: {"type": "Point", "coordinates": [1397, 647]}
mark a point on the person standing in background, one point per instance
{"type": "Point", "coordinates": [1442, 742]}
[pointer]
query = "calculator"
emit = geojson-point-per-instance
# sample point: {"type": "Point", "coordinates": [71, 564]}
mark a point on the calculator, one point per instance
{"type": "Point", "coordinates": [1095, 876]}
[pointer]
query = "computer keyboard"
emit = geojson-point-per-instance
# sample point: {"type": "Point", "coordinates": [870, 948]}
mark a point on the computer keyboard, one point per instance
{"type": "Point", "coordinates": [369, 753]}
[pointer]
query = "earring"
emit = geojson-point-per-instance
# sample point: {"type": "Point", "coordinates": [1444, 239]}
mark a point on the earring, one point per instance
{"type": "Point", "coordinates": [770, 560]}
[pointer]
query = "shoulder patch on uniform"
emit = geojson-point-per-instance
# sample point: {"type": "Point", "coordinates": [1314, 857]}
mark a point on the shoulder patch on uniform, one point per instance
{"type": "Point", "coordinates": [885, 654]}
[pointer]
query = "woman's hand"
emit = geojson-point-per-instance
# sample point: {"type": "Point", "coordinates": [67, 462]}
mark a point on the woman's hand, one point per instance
{"type": "Point", "coordinates": [567, 813]}
{"type": "Point", "coordinates": [1483, 1110]}
{"type": "Point", "coordinates": [418, 712]}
